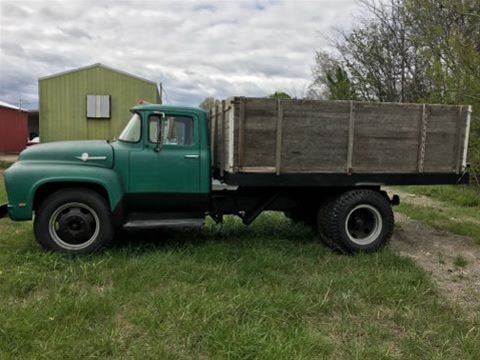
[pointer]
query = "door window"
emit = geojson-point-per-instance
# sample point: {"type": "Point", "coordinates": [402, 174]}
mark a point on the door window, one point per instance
{"type": "Point", "coordinates": [175, 130]}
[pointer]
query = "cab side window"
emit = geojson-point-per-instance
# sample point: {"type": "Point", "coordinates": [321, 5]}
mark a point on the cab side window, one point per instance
{"type": "Point", "coordinates": [175, 130]}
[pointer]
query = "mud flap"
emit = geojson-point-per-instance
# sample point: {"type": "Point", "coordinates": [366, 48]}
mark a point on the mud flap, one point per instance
{"type": "Point", "coordinates": [3, 210]}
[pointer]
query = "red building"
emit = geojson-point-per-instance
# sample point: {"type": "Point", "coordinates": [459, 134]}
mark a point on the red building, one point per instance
{"type": "Point", "coordinates": [13, 128]}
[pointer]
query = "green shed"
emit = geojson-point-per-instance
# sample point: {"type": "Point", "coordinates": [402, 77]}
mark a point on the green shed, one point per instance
{"type": "Point", "coordinates": [91, 102]}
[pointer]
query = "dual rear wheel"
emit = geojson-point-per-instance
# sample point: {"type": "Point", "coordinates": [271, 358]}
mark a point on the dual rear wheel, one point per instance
{"type": "Point", "coordinates": [354, 221]}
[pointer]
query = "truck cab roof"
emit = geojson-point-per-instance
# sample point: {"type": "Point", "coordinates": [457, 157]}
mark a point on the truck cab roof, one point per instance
{"type": "Point", "coordinates": [167, 108]}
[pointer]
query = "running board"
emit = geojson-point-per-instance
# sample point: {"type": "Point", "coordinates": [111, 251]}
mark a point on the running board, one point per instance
{"type": "Point", "coordinates": [164, 223]}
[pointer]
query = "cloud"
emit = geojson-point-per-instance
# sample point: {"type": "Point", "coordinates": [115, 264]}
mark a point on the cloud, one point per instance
{"type": "Point", "coordinates": [75, 33]}
{"type": "Point", "coordinates": [196, 48]}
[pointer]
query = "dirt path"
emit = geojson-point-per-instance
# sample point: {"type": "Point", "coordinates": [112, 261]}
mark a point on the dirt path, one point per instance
{"type": "Point", "coordinates": [453, 260]}
{"type": "Point", "coordinates": [8, 157]}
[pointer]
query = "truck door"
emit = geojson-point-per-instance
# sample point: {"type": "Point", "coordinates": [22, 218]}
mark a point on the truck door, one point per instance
{"type": "Point", "coordinates": [168, 176]}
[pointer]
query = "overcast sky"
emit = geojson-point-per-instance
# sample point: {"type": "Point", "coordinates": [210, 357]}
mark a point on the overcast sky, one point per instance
{"type": "Point", "coordinates": [196, 48]}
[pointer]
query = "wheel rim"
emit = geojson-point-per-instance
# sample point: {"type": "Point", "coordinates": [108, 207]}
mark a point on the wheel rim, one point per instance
{"type": "Point", "coordinates": [74, 226]}
{"type": "Point", "coordinates": [363, 224]}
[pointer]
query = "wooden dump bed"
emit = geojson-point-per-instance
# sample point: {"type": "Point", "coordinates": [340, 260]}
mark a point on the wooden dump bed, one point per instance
{"type": "Point", "coordinates": [270, 136]}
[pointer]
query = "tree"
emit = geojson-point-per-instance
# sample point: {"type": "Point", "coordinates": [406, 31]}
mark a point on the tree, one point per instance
{"type": "Point", "coordinates": [279, 95]}
{"type": "Point", "coordinates": [208, 103]}
{"type": "Point", "coordinates": [339, 85]}
{"type": "Point", "coordinates": [449, 33]}
{"type": "Point", "coordinates": [379, 56]}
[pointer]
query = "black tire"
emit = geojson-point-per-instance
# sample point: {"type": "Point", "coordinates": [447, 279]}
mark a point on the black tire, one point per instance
{"type": "Point", "coordinates": [73, 221]}
{"type": "Point", "coordinates": [322, 219]}
{"type": "Point", "coordinates": [356, 221]}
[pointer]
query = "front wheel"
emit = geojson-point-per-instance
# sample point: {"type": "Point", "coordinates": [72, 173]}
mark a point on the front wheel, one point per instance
{"type": "Point", "coordinates": [357, 220]}
{"type": "Point", "coordinates": [74, 221]}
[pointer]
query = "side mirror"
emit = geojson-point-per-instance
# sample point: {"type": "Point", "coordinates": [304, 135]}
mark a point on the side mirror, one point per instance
{"type": "Point", "coordinates": [158, 144]}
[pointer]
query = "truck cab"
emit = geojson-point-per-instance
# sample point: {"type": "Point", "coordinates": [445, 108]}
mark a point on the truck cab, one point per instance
{"type": "Point", "coordinates": [163, 159]}
{"type": "Point", "coordinates": [157, 172]}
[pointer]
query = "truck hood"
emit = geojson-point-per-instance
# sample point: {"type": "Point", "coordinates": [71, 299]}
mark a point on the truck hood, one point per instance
{"type": "Point", "coordinates": [88, 153]}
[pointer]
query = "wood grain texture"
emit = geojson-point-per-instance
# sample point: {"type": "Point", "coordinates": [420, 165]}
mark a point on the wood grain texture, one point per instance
{"type": "Point", "coordinates": [440, 143]}
{"type": "Point", "coordinates": [315, 136]}
{"type": "Point", "coordinates": [211, 122]}
{"type": "Point", "coordinates": [278, 144]}
{"type": "Point", "coordinates": [422, 136]}
{"type": "Point", "coordinates": [351, 134]}
{"type": "Point", "coordinates": [223, 155]}
{"type": "Point", "coordinates": [241, 133]}
{"type": "Point", "coordinates": [312, 136]}
{"type": "Point", "coordinates": [386, 137]}
{"type": "Point", "coordinates": [458, 141]}
{"type": "Point", "coordinates": [259, 128]}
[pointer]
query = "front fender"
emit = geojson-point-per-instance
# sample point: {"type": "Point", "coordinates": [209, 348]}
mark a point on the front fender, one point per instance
{"type": "Point", "coordinates": [23, 179]}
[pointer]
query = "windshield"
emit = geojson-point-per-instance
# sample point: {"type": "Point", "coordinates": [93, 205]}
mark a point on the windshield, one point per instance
{"type": "Point", "coordinates": [132, 132]}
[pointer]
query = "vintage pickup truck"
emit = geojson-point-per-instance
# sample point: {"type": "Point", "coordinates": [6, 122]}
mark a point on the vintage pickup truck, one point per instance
{"type": "Point", "coordinates": [320, 162]}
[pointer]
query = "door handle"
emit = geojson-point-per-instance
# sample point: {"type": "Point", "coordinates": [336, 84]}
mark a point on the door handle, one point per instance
{"type": "Point", "coordinates": [192, 156]}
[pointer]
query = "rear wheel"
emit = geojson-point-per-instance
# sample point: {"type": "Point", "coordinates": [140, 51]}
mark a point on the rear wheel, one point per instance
{"type": "Point", "coordinates": [322, 220]}
{"type": "Point", "coordinates": [356, 221]}
{"type": "Point", "coordinates": [75, 221]}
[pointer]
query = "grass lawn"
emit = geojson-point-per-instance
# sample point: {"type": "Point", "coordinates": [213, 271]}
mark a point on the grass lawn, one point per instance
{"type": "Point", "coordinates": [4, 164]}
{"type": "Point", "coordinates": [457, 209]}
{"type": "Point", "coordinates": [458, 195]}
{"type": "Point", "coordinates": [267, 291]}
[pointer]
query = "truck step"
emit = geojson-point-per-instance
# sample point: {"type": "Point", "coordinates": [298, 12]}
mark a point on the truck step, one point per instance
{"type": "Point", "coordinates": [164, 223]}
{"type": "Point", "coordinates": [161, 220]}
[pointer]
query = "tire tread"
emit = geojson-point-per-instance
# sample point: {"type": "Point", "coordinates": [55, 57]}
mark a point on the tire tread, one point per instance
{"type": "Point", "coordinates": [51, 202]}
{"type": "Point", "coordinates": [332, 220]}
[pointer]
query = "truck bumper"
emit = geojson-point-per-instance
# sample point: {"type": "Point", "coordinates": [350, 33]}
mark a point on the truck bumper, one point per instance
{"type": "Point", "coordinates": [3, 210]}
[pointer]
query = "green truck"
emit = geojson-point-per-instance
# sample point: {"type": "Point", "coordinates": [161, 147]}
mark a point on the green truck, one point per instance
{"type": "Point", "coordinates": [322, 163]}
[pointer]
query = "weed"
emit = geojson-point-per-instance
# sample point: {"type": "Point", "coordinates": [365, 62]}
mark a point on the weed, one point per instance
{"type": "Point", "coordinates": [460, 261]}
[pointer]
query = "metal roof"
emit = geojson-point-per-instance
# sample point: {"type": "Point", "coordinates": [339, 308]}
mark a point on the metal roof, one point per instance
{"type": "Point", "coordinates": [10, 106]}
{"type": "Point", "coordinates": [94, 66]}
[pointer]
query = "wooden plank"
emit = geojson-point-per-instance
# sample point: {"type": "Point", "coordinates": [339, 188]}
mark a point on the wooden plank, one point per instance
{"type": "Point", "coordinates": [236, 110]}
{"type": "Point", "coordinates": [351, 133]}
{"type": "Point", "coordinates": [314, 140]}
{"type": "Point", "coordinates": [440, 142]}
{"type": "Point", "coordinates": [422, 138]}
{"type": "Point", "coordinates": [224, 135]}
{"type": "Point", "coordinates": [385, 137]}
{"type": "Point", "coordinates": [212, 136]}
{"type": "Point", "coordinates": [259, 169]}
{"type": "Point", "coordinates": [241, 133]}
{"type": "Point", "coordinates": [259, 129]}
{"type": "Point", "coordinates": [278, 149]}
{"type": "Point", "coordinates": [228, 138]}
{"type": "Point", "coordinates": [218, 140]}
{"type": "Point", "coordinates": [458, 140]}
{"type": "Point", "coordinates": [467, 133]}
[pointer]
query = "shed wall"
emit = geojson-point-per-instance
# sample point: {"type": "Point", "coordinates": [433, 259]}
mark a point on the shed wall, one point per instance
{"type": "Point", "coordinates": [13, 130]}
{"type": "Point", "coordinates": [63, 113]}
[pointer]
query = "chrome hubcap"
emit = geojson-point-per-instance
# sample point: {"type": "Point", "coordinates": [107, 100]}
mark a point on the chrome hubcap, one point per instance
{"type": "Point", "coordinates": [363, 224]}
{"type": "Point", "coordinates": [74, 226]}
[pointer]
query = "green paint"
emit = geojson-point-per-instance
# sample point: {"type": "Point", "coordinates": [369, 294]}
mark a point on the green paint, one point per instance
{"type": "Point", "coordinates": [122, 167]}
